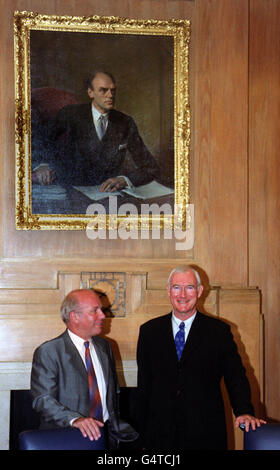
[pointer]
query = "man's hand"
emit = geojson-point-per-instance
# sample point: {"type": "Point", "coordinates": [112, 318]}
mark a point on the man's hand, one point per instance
{"type": "Point", "coordinates": [89, 427]}
{"type": "Point", "coordinates": [249, 420]}
{"type": "Point", "coordinates": [43, 175]}
{"type": "Point", "coordinates": [113, 184]}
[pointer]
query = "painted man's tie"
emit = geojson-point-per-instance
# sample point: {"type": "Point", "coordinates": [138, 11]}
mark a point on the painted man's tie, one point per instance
{"type": "Point", "coordinates": [101, 127]}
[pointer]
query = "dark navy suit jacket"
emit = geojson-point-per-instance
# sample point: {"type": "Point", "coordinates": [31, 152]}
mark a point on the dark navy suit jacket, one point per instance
{"type": "Point", "coordinates": [180, 402]}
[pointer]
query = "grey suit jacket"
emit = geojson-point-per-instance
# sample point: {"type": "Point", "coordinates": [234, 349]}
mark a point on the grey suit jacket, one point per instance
{"type": "Point", "coordinates": [59, 386]}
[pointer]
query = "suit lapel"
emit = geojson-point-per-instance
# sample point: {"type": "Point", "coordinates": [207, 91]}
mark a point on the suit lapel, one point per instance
{"type": "Point", "coordinates": [114, 131]}
{"type": "Point", "coordinates": [73, 356]}
{"type": "Point", "coordinates": [167, 338]}
{"type": "Point", "coordinates": [103, 358]}
{"type": "Point", "coordinates": [90, 130]}
{"type": "Point", "coordinates": [194, 337]}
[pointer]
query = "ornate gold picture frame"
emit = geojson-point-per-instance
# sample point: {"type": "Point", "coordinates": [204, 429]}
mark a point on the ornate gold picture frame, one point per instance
{"type": "Point", "coordinates": [149, 61]}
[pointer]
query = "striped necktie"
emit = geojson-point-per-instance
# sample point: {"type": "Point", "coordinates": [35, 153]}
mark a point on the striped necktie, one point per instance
{"type": "Point", "coordinates": [94, 395]}
{"type": "Point", "coordinates": [180, 339]}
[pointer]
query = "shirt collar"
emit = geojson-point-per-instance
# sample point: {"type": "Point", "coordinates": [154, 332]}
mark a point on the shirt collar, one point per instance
{"type": "Point", "coordinates": [96, 114]}
{"type": "Point", "coordinates": [176, 321]}
{"type": "Point", "coordinates": [77, 340]}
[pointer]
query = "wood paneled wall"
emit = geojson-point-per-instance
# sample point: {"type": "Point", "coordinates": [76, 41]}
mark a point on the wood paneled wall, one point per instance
{"type": "Point", "coordinates": [263, 184]}
{"type": "Point", "coordinates": [234, 92]}
{"type": "Point", "coordinates": [220, 41]}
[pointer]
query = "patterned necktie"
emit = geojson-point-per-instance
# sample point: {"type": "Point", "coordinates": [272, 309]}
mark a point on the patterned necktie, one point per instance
{"type": "Point", "coordinates": [180, 339]}
{"type": "Point", "coordinates": [94, 395]}
{"type": "Point", "coordinates": [101, 127]}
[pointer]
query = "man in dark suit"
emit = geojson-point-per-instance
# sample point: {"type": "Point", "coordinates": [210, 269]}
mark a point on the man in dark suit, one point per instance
{"type": "Point", "coordinates": [59, 378]}
{"type": "Point", "coordinates": [180, 400]}
{"type": "Point", "coordinates": [92, 141]}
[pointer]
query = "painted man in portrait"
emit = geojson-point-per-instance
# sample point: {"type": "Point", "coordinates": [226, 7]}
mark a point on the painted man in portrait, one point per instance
{"type": "Point", "coordinates": [94, 144]}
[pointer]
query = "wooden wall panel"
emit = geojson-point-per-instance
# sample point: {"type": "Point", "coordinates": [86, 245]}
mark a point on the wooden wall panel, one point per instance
{"type": "Point", "coordinates": [264, 177]}
{"type": "Point", "coordinates": [240, 308]}
{"type": "Point", "coordinates": [221, 97]}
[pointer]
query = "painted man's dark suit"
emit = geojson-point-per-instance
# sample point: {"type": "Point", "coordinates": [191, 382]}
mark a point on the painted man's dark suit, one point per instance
{"type": "Point", "coordinates": [82, 159]}
{"type": "Point", "coordinates": [59, 386]}
{"type": "Point", "coordinates": [180, 402]}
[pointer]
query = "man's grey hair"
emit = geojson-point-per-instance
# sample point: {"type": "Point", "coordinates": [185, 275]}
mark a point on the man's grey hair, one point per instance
{"type": "Point", "coordinates": [183, 269]}
{"type": "Point", "coordinates": [69, 304]}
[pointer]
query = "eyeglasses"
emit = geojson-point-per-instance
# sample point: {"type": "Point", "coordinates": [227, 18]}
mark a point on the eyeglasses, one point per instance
{"type": "Point", "coordinates": [188, 288]}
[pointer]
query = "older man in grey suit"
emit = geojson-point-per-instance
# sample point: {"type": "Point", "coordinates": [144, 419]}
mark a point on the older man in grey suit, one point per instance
{"type": "Point", "coordinates": [59, 377]}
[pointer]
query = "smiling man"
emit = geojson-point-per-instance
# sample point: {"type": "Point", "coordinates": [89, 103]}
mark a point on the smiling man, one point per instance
{"type": "Point", "coordinates": [182, 358]}
{"type": "Point", "coordinates": [184, 289]}
{"type": "Point", "coordinates": [73, 378]}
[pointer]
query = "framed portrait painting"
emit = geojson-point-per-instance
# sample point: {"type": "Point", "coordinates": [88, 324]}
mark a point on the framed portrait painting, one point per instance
{"type": "Point", "coordinates": [102, 121]}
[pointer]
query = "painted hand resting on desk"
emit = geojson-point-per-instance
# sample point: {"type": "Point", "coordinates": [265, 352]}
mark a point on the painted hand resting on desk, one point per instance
{"type": "Point", "coordinates": [113, 184]}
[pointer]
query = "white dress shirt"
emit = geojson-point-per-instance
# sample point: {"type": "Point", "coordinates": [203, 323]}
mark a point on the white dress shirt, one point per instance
{"type": "Point", "coordinates": [79, 343]}
{"type": "Point", "coordinates": [188, 323]}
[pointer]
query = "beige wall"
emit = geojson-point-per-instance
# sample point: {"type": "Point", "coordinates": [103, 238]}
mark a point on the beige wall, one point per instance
{"type": "Point", "coordinates": [234, 78]}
